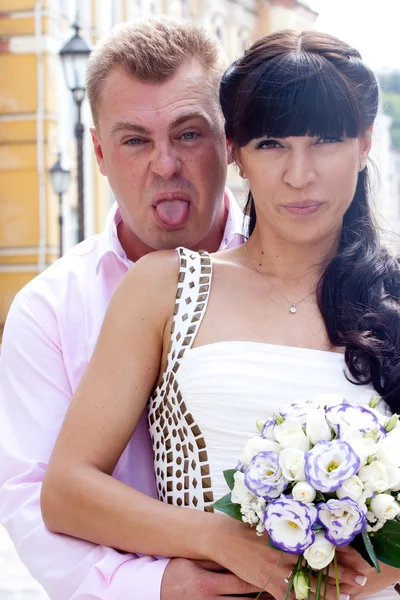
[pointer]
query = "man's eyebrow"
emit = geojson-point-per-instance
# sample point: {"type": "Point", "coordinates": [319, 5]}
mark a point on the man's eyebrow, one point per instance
{"type": "Point", "coordinates": [139, 129]}
{"type": "Point", "coordinates": [126, 125]}
{"type": "Point", "coordinates": [188, 116]}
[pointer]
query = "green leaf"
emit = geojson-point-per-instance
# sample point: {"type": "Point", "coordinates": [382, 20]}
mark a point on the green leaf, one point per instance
{"type": "Point", "coordinates": [359, 546]}
{"type": "Point", "coordinates": [370, 549]}
{"type": "Point", "coordinates": [386, 544]}
{"type": "Point", "coordinates": [225, 505]}
{"type": "Point", "coordinates": [229, 477]}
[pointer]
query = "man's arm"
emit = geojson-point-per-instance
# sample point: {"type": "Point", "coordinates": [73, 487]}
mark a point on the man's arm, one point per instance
{"type": "Point", "coordinates": [34, 395]}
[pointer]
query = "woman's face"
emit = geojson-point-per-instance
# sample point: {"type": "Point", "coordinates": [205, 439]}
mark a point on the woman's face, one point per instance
{"type": "Point", "coordinates": [302, 186]}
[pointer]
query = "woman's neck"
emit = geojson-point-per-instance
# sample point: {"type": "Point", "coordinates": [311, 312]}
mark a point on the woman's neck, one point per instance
{"type": "Point", "coordinates": [290, 263]}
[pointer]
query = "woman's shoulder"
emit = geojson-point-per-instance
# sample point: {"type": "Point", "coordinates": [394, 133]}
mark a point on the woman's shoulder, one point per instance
{"type": "Point", "coordinates": [156, 268]}
{"type": "Point", "coordinates": [150, 284]}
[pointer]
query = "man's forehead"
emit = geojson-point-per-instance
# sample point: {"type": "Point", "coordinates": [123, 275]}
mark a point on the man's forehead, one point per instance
{"type": "Point", "coordinates": [185, 95]}
{"type": "Point", "coordinates": [191, 79]}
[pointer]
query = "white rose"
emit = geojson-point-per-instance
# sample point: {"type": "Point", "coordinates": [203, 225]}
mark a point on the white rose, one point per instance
{"type": "Point", "coordinates": [303, 492]}
{"type": "Point", "coordinates": [352, 488]}
{"type": "Point", "coordinates": [376, 476]}
{"type": "Point", "coordinates": [291, 462]}
{"type": "Point", "coordinates": [388, 448]}
{"type": "Point", "coordinates": [290, 434]}
{"type": "Point", "coordinates": [256, 445]}
{"type": "Point", "coordinates": [394, 478]}
{"type": "Point", "coordinates": [384, 506]}
{"type": "Point", "coordinates": [317, 428]}
{"type": "Point", "coordinates": [364, 447]}
{"type": "Point", "coordinates": [320, 554]}
{"type": "Point", "coordinates": [240, 493]}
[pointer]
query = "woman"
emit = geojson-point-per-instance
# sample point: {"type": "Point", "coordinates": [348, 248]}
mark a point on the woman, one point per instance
{"type": "Point", "coordinates": [309, 305]}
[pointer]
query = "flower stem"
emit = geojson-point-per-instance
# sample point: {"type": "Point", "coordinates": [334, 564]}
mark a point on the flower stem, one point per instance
{"type": "Point", "coordinates": [336, 576]}
{"type": "Point", "coordinates": [292, 576]}
{"type": "Point", "coordinates": [326, 581]}
{"type": "Point", "coordinates": [309, 582]}
{"type": "Point", "coordinates": [319, 582]}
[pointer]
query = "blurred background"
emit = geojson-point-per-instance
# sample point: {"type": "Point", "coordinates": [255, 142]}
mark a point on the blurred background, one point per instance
{"type": "Point", "coordinates": [51, 194]}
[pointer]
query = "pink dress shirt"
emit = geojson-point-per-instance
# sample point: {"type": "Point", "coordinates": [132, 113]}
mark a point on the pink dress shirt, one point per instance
{"type": "Point", "coordinates": [49, 337]}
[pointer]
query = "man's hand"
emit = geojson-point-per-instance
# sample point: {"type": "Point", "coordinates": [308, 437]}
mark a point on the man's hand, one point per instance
{"type": "Point", "coordinates": [203, 581]}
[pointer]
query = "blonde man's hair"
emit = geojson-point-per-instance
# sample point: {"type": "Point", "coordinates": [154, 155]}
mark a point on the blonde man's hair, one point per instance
{"type": "Point", "coordinates": [153, 50]}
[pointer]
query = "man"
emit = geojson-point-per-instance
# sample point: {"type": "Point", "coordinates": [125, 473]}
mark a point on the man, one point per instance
{"type": "Point", "coordinates": [159, 139]}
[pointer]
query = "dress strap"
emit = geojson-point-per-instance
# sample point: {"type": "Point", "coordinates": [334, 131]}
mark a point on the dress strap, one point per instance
{"type": "Point", "coordinates": [194, 283]}
{"type": "Point", "coordinates": [181, 461]}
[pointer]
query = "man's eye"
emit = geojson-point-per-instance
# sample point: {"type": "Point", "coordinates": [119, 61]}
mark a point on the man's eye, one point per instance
{"type": "Point", "coordinates": [189, 135]}
{"type": "Point", "coordinates": [268, 144]}
{"type": "Point", "coordinates": [134, 141]}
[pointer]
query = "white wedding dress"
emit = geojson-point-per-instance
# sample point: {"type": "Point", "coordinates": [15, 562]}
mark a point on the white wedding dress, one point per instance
{"type": "Point", "coordinates": [205, 409]}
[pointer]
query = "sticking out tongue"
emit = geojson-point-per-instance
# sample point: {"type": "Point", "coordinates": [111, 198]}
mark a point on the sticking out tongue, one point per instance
{"type": "Point", "coordinates": [172, 212]}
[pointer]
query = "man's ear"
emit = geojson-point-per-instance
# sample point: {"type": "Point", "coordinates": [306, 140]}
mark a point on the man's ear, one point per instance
{"type": "Point", "coordinates": [98, 151]}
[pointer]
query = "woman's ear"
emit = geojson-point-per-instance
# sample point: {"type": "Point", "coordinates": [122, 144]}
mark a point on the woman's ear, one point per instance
{"type": "Point", "coordinates": [239, 163]}
{"type": "Point", "coordinates": [366, 142]}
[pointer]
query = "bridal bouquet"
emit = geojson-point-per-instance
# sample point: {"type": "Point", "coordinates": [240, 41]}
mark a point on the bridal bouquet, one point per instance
{"type": "Point", "coordinates": [320, 476]}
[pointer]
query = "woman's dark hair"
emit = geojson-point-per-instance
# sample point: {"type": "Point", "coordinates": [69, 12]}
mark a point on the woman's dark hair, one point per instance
{"type": "Point", "coordinates": [290, 84]}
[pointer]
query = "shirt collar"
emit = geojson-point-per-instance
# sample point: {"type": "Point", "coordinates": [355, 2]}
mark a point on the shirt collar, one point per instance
{"type": "Point", "coordinates": [234, 227]}
{"type": "Point", "coordinates": [235, 223]}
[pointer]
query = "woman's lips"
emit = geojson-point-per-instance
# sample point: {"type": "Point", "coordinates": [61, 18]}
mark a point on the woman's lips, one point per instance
{"type": "Point", "coordinates": [171, 213]}
{"type": "Point", "coordinates": [303, 208]}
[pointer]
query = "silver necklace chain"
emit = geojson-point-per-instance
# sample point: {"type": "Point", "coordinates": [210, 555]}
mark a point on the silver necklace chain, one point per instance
{"type": "Point", "coordinates": [293, 305]}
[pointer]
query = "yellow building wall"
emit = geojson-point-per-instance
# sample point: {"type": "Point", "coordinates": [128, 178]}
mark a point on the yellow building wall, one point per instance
{"type": "Point", "coordinates": [20, 232]}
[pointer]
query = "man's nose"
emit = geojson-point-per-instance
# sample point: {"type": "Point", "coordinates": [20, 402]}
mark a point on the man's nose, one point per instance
{"type": "Point", "coordinates": [165, 162]}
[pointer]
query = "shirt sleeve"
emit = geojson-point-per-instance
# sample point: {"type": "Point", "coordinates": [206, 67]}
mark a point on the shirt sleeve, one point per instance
{"type": "Point", "coordinates": [34, 395]}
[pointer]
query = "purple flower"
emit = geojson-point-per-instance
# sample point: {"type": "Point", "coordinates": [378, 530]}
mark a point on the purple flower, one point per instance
{"type": "Point", "coordinates": [354, 416]}
{"type": "Point", "coordinates": [329, 464]}
{"type": "Point", "coordinates": [289, 524]}
{"type": "Point", "coordinates": [268, 429]}
{"type": "Point", "coordinates": [297, 410]}
{"type": "Point", "coordinates": [343, 520]}
{"type": "Point", "coordinates": [264, 477]}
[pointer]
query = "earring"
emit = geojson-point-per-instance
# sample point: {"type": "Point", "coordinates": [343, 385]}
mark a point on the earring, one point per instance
{"type": "Point", "coordinates": [362, 166]}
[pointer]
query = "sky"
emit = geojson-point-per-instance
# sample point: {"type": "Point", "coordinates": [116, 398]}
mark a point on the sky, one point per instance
{"type": "Point", "coordinates": [372, 26]}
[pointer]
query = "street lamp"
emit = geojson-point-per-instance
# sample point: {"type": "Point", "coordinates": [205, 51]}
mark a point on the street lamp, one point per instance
{"type": "Point", "coordinates": [74, 57]}
{"type": "Point", "coordinates": [60, 179]}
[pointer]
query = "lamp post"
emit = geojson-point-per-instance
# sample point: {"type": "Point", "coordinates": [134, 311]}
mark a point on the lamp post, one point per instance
{"type": "Point", "coordinates": [60, 179]}
{"type": "Point", "coordinates": [74, 56]}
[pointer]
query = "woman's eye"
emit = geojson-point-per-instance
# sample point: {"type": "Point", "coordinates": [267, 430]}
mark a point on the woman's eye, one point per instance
{"type": "Point", "coordinates": [189, 135]}
{"type": "Point", "coordinates": [329, 140]}
{"type": "Point", "coordinates": [268, 144]}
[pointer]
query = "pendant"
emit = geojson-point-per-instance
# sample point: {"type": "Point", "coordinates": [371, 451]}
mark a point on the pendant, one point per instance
{"type": "Point", "coordinates": [293, 309]}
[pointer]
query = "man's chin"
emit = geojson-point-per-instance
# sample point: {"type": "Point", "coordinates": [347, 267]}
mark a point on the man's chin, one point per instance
{"type": "Point", "coordinates": [170, 240]}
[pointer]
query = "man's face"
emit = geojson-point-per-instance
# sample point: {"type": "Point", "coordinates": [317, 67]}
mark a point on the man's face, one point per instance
{"type": "Point", "coordinates": [162, 148]}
